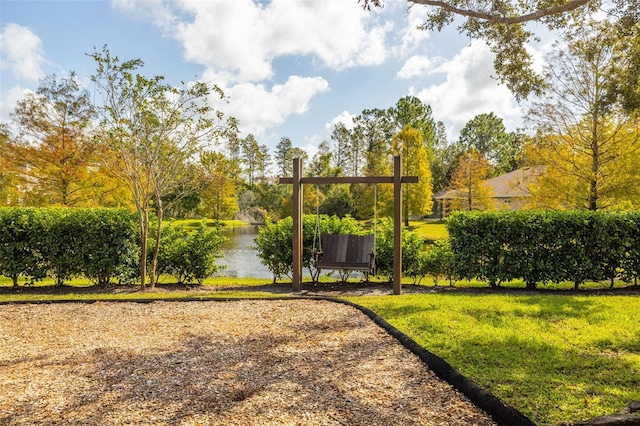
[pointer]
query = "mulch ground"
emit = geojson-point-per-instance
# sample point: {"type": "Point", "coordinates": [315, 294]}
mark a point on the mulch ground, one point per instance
{"type": "Point", "coordinates": [285, 362]}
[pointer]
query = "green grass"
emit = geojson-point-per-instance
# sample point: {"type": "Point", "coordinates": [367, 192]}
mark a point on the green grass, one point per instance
{"type": "Point", "coordinates": [429, 230]}
{"type": "Point", "coordinates": [555, 358]}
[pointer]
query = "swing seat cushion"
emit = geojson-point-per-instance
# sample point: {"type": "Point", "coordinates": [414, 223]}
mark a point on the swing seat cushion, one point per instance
{"type": "Point", "coordinates": [349, 252]}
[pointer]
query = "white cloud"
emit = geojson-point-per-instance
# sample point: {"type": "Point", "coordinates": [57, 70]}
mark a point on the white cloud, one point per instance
{"type": "Point", "coordinates": [345, 117]}
{"type": "Point", "coordinates": [259, 108]}
{"type": "Point", "coordinates": [21, 51]}
{"type": "Point", "coordinates": [413, 37]}
{"type": "Point", "coordinates": [154, 10]}
{"type": "Point", "coordinates": [9, 101]}
{"type": "Point", "coordinates": [469, 90]}
{"type": "Point", "coordinates": [416, 66]}
{"type": "Point", "coordinates": [244, 38]}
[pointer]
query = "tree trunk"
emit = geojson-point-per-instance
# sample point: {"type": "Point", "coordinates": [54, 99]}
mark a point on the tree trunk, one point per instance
{"type": "Point", "coordinates": [595, 165]}
{"type": "Point", "coordinates": [156, 249]}
{"type": "Point", "coordinates": [14, 278]}
{"type": "Point", "coordinates": [144, 231]}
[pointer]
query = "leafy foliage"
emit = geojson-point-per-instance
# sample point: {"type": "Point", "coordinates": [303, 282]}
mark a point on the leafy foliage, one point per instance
{"type": "Point", "coordinates": [190, 254]}
{"type": "Point", "coordinates": [62, 243]}
{"type": "Point", "coordinates": [54, 148]}
{"type": "Point", "coordinates": [153, 131]}
{"type": "Point", "coordinates": [587, 142]}
{"type": "Point", "coordinates": [501, 24]}
{"type": "Point", "coordinates": [19, 244]}
{"type": "Point", "coordinates": [440, 261]}
{"type": "Point", "coordinates": [545, 246]}
{"type": "Point", "coordinates": [467, 183]}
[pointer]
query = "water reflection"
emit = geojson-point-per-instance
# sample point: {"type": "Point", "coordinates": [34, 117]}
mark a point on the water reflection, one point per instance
{"type": "Point", "coordinates": [240, 258]}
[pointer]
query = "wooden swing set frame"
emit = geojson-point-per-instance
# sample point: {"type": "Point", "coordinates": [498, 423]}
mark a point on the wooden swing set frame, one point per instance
{"type": "Point", "coordinates": [396, 179]}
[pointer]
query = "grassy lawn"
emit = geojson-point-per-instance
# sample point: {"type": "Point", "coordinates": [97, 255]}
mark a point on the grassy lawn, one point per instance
{"type": "Point", "coordinates": [429, 230]}
{"type": "Point", "coordinates": [554, 357]}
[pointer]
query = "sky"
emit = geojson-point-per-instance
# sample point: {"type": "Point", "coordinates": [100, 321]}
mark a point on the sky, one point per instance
{"type": "Point", "coordinates": [290, 68]}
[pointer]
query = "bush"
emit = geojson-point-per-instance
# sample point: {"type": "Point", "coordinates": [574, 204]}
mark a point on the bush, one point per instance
{"type": "Point", "coordinates": [440, 261]}
{"type": "Point", "coordinates": [414, 258]}
{"type": "Point", "coordinates": [20, 253]}
{"type": "Point", "coordinates": [542, 247]}
{"type": "Point", "coordinates": [190, 255]}
{"type": "Point", "coordinates": [63, 243]}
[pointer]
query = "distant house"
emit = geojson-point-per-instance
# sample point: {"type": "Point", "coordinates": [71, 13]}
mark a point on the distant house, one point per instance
{"type": "Point", "coordinates": [508, 191]}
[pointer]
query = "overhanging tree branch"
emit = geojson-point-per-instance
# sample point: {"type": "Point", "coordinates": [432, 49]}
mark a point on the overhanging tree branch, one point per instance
{"type": "Point", "coordinates": [491, 17]}
{"type": "Point", "coordinates": [501, 19]}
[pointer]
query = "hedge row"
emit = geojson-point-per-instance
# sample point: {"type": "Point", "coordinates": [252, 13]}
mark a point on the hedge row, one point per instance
{"type": "Point", "coordinates": [99, 244]}
{"type": "Point", "coordinates": [548, 246]}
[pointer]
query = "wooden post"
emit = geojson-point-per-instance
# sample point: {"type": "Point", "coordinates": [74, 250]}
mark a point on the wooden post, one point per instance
{"type": "Point", "coordinates": [397, 225]}
{"type": "Point", "coordinates": [297, 224]}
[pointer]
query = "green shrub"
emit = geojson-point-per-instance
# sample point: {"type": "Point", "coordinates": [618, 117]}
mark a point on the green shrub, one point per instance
{"type": "Point", "coordinates": [439, 261]}
{"type": "Point", "coordinates": [190, 254]}
{"type": "Point", "coordinates": [110, 244]}
{"type": "Point", "coordinates": [414, 258]}
{"type": "Point", "coordinates": [20, 253]}
{"type": "Point", "coordinates": [545, 246]}
{"type": "Point", "coordinates": [63, 243]}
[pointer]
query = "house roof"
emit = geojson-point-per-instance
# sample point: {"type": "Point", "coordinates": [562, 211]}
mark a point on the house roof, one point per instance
{"type": "Point", "coordinates": [509, 185]}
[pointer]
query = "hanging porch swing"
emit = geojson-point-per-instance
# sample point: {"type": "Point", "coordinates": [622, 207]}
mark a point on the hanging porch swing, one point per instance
{"type": "Point", "coordinates": [346, 252]}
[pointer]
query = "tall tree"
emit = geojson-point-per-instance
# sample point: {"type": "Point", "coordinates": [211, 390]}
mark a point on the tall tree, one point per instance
{"type": "Point", "coordinates": [444, 165]}
{"type": "Point", "coordinates": [154, 131]}
{"type": "Point", "coordinates": [377, 131]}
{"type": "Point", "coordinates": [252, 157]}
{"type": "Point", "coordinates": [218, 194]}
{"type": "Point", "coordinates": [469, 182]}
{"type": "Point", "coordinates": [585, 134]}
{"type": "Point", "coordinates": [283, 156]}
{"type": "Point", "coordinates": [263, 163]}
{"type": "Point", "coordinates": [357, 147]}
{"type": "Point", "coordinates": [501, 24]}
{"type": "Point", "coordinates": [415, 162]}
{"type": "Point", "coordinates": [341, 136]}
{"type": "Point", "coordinates": [8, 178]}
{"type": "Point", "coordinates": [410, 111]}
{"type": "Point", "coordinates": [54, 148]}
{"type": "Point", "coordinates": [486, 133]}
{"type": "Point", "coordinates": [321, 161]}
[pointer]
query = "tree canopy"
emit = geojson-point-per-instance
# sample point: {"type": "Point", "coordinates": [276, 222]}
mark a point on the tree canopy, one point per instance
{"type": "Point", "coordinates": [153, 131]}
{"type": "Point", "coordinates": [587, 140]}
{"type": "Point", "coordinates": [502, 25]}
{"type": "Point", "coordinates": [54, 146]}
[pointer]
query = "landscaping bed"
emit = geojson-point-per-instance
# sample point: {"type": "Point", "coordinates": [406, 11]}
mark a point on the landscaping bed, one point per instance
{"type": "Point", "coordinates": [240, 362]}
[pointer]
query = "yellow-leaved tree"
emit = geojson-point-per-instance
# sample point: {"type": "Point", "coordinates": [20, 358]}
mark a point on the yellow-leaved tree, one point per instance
{"type": "Point", "coordinates": [417, 197]}
{"type": "Point", "coordinates": [468, 183]}
{"type": "Point", "coordinates": [587, 140]}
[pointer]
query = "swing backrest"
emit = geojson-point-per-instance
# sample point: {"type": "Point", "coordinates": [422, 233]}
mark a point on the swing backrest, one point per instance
{"type": "Point", "coordinates": [346, 251]}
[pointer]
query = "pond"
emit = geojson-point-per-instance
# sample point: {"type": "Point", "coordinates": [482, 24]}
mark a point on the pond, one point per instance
{"type": "Point", "coordinates": [240, 258]}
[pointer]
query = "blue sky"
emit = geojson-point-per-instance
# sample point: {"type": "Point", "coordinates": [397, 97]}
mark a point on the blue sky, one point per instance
{"type": "Point", "coordinates": [290, 67]}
